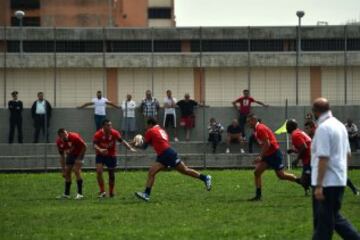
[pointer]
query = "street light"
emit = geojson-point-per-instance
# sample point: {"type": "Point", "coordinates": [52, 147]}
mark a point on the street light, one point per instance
{"type": "Point", "coordinates": [20, 15]}
{"type": "Point", "coordinates": [299, 14]}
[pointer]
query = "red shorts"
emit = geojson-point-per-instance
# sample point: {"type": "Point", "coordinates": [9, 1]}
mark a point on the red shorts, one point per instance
{"type": "Point", "coordinates": [187, 121]}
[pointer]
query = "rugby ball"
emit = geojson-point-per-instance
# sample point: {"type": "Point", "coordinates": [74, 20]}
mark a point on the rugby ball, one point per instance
{"type": "Point", "coordinates": [138, 140]}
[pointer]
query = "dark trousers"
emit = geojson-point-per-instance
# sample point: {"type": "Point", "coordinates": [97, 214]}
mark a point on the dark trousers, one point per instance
{"type": "Point", "coordinates": [327, 217]}
{"type": "Point", "coordinates": [354, 143]}
{"type": "Point", "coordinates": [242, 123]}
{"type": "Point", "coordinates": [41, 123]}
{"type": "Point", "coordinates": [215, 139]}
{"type": "Point", "coordinates": [252, 141]}
{"type": "Point", "coordinates": [16, 123]}
{"type": "Point", "coordinates": [99, 120]}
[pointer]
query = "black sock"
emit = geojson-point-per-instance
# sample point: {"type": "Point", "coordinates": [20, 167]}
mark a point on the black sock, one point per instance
{"type": "Point", "coordinates": [351, 186]}
{"type": "Point", "coordinates": [258, 192]}
{"type": "Point", "coordinates": [298, 181]}
{"type": "Point", "coordinates": [148, 190]}
{"type": "Point", "coordinates": [79, 186]}
{"type": "Point", "coordinates": [203, 177]}
{"type": "Point", "coordinates": [67, 188]}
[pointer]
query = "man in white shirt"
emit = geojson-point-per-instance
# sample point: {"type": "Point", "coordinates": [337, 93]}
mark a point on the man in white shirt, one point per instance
{"type": "Point", "coordinates": [99, 108]}
{"type": "Point", "coordinates": [170, 113]}
{"type": "Point", "coordinates": [41, 114]}
{"type": "Point", "coordinates": [129, 121]}
{"type": "Point", "coordinates": [330, 151]}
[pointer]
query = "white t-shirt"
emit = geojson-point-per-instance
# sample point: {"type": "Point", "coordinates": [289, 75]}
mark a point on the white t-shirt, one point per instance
{"type": "Point", "coordinates": [169, 102]}
{"type": "Point", "coordinates": [128, 108]}
{"type": "Point", "coordinates": [100, 105]}
{"type": "Point", "coordinates": [40, 107]}
{"type": "Point", "coordinates": [330, 140]}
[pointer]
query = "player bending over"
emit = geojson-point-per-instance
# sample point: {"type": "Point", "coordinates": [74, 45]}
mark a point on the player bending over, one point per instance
{"type": "Point", "coordinates": [105, 145]}
{"type": "Point", "coordinates": [73, 146]}
{"type": "Point", "coordinates": [166, 157]}
{"type": "Point", "coordinates": [270, 155]}
{"type": "Point", "coordinates": [302, 146]}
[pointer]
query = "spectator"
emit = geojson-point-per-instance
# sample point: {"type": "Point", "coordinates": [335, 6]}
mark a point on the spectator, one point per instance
{"type": "Point", "coordinates": [330, 152]}
{"type": "Point", "coordinates": [310, 127]}
{"type": "Point", "coordinates": [353, 133]}
{"type": "Point", "coordinates": [170, 113]}
{"type": "Point", "coordinates": [41, 114]}
{"type": "Point", "coordinates": [187, 119]}
{"type": "Point", "coordinates": [99, 103]}
{"type": "Point", "coordinates": [129, 119]}
{"type": "Point", "coordinates": [215, 130]}
{"type": "Point", "coordinates": [15, 107]}
{"type": "Point", "coordinates": [149, 107]}
{"type": "Point", "coordinates": [234, 135]}
{"type": "Point", "coordinates": [243, 105]}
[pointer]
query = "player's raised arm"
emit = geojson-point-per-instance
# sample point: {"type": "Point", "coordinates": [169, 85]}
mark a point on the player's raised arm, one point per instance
{"type": "Point", "coordinates": [126, 144]}
{"type": "Point", "coordinates": [85, 105]}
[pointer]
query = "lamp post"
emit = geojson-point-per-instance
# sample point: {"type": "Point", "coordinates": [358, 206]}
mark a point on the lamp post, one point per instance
{"type": "Point", "coordinates": [20, 15]}
{"type": "Point", "coordinates": [299, 14]}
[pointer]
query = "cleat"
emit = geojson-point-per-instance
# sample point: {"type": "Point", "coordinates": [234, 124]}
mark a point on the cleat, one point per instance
{"type": "Point", "coordinates": [63, 197]}
{"type": "Point", "coordinates": [111, 195]}
{"type": "Point", "coordinates": [255, 199]}
{"type": "Point", "coordinates": [79, 196]}
{"type": "Point", "coordinates": [242, 150]}
{"type": "Point", "coordinates": [227, 150]}
{"type": "Point", "coordinates": [176, 139]}
{"type": "Point", "coordinates": [208, 182]}
{"type": "Point", "coordinates": [102, 195]}
{"type": "Point", "coordinates": [357, 193]}
{"type": "Point", "coordinates": [143, 196]}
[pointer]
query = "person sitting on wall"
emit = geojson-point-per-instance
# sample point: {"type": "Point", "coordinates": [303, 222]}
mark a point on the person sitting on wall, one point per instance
{"type": "Point", "coordinates": [215, 130]}
{"type": "Point", "coordinates": [234, 135]}
{"type": "Point", "coordinates": [353, 133]}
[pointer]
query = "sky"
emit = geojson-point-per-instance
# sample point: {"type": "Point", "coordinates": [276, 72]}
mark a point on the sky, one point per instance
{"type": "Point", "coordinates": [264, 12]}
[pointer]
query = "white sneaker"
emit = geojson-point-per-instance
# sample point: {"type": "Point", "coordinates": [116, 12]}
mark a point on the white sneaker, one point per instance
{"type": "Point", "coordinates": [208, 182]}
{"type": "Point", "coordinates": [79, 196]}
{"type": "Point", "coordinates": [63, 197]}
{"type": "Point", "coordinates": [102, 194]}
{"type": "Point", "coordinates": [142, 196]}
{"type": "Point", "coordinates": [242, 150]}
{"type": "Point", "coordinates": [227, 150]}
{"type": "Point", "coordinates": [176, 139]}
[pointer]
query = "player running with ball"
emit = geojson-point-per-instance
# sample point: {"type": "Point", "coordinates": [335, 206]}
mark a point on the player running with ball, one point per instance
{"type": "Point", "coordinates": [166, 157]}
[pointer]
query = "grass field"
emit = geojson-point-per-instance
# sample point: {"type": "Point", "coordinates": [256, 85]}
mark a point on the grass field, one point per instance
{"type": "Point", "coordinates": [180, 208]}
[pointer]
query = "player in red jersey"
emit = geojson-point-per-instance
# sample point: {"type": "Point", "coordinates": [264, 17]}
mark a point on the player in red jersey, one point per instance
{"type": "Point", "coordinates": [270, 155]}
{"type": "Point", "coordinates": [71, 148]}
{"type": "Point", "coordinates": [105, 145]}
{"type": "Point", "coordinates": [166, 157]}
{"type": "Point", "coordinates": [302, 146]}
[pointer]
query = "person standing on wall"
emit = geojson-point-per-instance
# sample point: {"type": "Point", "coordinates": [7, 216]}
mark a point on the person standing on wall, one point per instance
{"type": "Point", "coordinates": [99, 103]}
{"type": "Point", "coordinates": [15, 107]}
{"type": "Point", "coordinates": [129, 119]}
{"type": "Point", "coordinates": [41, 114]}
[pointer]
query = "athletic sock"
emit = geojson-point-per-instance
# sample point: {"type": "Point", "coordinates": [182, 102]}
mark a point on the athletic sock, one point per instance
{"type": "Point", "coordinates": [148, 190]}
{"type": "Point", "coordinates": [101, 186]}
{"type": "Point", "coordinates": [79, 186]}
{"type": "Point", "coordinates": [258, 192]}
{"type": "Point", "coordinates": [298, 181]}
{"type": "Point", "coordinates": [351, 186]}
{"type": "Point", "coordinates": [203, 177]}
{"type": "Point", "coordinates": [67, 188]}
{"type": "Point", "coordinates": [111, 188]}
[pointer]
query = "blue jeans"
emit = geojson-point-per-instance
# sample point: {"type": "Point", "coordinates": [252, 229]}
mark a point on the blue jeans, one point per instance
{"type": "Point", "coordinates": [98, 121]}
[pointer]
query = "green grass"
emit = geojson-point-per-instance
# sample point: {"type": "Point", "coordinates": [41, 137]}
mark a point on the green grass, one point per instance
{"type": "Point", "coordinates": [180, 208]}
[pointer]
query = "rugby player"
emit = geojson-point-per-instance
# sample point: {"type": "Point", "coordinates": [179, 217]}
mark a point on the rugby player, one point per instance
{"type": "Point", "coordinates": [104, 142]}
{"type": "Point", "coordinates": [71, 148]}
{"type": "Point", "coordinates": [166, 157]}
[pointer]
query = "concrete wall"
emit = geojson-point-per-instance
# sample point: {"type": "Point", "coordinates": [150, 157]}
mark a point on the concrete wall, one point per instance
{"type": "Point", "coordinates": [82, 120]}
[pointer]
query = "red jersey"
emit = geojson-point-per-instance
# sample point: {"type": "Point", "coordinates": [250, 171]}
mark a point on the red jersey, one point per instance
{"type": "Point", "coordinates": [158, 138]}
{"type": "Point", "coordinates": [73, 146]}
{"type": "Point", "coordinates": [245, 104]}
{"type": "Point", "coordinates": [299, 138]}
{"type": "Point", "coordinates": [262, 132]}
{"type": "Point", "coordinates": [107, 142]}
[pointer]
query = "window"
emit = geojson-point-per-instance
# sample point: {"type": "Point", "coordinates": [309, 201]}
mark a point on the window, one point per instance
{"type": "Point", "coordinates": [159, 13]}
{"type": "Point", "coordinates": [267, 45]}
{"type": "Point", "coordinates": [353, 44]}
{"type": "Point", "coordinates": [220, 46]}
{"type": "Point", "coordinates": [25, 4]}
{"type": "Point", "coordinates": [167, 46]}
{"type": "Point", "coordinates": [129, 46]}
{"type": "Point", "coordinates": [26, 22]}
{"type": "Point", "coordinates": [323, 45]}
{"type": "Point", "coordinates": [79, 46]}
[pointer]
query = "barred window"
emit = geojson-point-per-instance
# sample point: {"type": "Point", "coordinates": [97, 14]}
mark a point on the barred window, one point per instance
{"type": "Point", "coordinates": [25, 4]}
{"type": "Point", "coordinates": [26, 21]}
{"type": "Point", "coordinates": [323, 45]}
{"type": "Point", "coordinates": [159, 13]}
{"type": "Point", "coordinates": [220, 46]}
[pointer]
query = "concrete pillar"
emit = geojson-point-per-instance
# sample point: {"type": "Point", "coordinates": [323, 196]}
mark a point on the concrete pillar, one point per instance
{"type": "Point", "coordinates": [315, 82]}
{"type": "Point", "coordinates": [199, 84]}
{"type": "Point", "coordinates": [112, 84]}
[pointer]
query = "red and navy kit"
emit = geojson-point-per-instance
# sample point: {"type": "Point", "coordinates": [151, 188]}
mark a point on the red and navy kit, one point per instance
{"type": "Point", "coordinates": [159, 139]}
{"type": "Point", "coordinates": [245, 104]}
{"type": "Point", "coordinates": [299, 138]}
{"type": "Point", "coordinates": [273, 156]}
{"type": "Point", "coordinates": [73, 146]}
{"type": "Point", "coordinates": [107, 142]}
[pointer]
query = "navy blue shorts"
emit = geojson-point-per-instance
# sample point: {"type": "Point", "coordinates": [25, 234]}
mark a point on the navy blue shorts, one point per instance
{"type": "Point", "coordinates": [275, 160]}
{"type": "Point", "coordinates": [169, 158]}
{"type": "Point", "coordinates": [109, 162]}
{"type": "Point", "coordinates": [306, 170]}
{"type": "Point", "coordinates": [70, 159]}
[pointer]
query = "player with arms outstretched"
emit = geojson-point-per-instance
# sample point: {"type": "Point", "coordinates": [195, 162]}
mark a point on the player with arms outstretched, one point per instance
{"type": "Point", "coordinates": [166, 157]}
{"type": "Point", "coordinates": [105, 145]}
{"type": "Point", "coordinates": [72, 149]}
